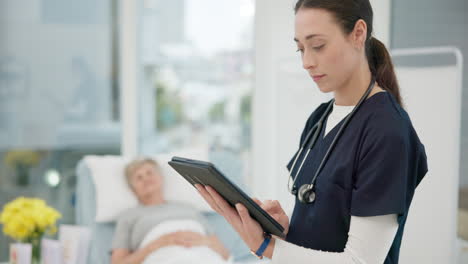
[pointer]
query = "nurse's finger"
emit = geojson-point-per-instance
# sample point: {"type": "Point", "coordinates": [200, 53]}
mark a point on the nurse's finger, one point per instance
{"type": "Point", "coordinates": [251, 227]}
{"type": "Point", "coordinates": [207, 196]}
{"type": "Point", "coordinates": [267, 206]}
{"type": "Point", "coordinates": [244, 215]}
{"type": "Point", "coordinates": [273, 207]}
{"type": "Point", "coordinates": [262, 205]}
{"type": "Point", "coordinates": [277, 217]}
{"type": "Point", "coordinates": [257, 201]}
{"type": "Point", "coordinates": [229, 212]}
{"type": "Point", "coordinates": [225, 207]}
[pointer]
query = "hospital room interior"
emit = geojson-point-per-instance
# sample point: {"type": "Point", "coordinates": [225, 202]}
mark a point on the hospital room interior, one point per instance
{"type": "Point", "coordinates": [86, 87]}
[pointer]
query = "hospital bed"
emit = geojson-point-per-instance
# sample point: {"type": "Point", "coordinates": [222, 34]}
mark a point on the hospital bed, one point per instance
{"type": "Point", "coordinates": [102, 233]}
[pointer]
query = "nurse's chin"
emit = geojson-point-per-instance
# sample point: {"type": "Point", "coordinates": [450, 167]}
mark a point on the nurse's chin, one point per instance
{"type": "Point", "coordinates": [325, 88]}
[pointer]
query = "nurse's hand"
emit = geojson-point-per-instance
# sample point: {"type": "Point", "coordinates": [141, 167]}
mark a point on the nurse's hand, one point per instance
{"type": "Point", "coordinates": [249, 230]}
{"type": "Point", "coordinates": [274, 209]}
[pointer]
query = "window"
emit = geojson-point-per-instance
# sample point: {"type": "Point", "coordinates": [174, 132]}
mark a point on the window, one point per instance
{"type": "Point", "coordinates": [58, 97]}
{"type": "Point", "coordinates": [197, 65]}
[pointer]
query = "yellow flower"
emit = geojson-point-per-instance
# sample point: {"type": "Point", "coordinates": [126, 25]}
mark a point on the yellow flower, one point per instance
{"type": "Point", "coordinates": [24, 218]}
{"type": "Point", "coordinates": [5, 216]}
{"type": "Point", "coordinates": [16, 230]}
{"type": "Point", "coordinates": [38, 203]}
{"type": "Point", "coordinates": [22, 232]}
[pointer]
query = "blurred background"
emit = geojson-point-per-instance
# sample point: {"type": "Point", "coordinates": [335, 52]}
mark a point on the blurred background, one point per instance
{"type": "Point", "coordinates": [138, 77]}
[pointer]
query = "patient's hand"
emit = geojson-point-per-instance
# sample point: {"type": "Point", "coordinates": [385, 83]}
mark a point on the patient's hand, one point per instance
{"type": "Point", "coordinates": [192, 239]}
{"type": "Point", "coordinates": [180, 238]}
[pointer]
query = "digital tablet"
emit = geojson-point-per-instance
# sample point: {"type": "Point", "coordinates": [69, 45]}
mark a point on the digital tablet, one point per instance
{"type": "Point", "coordinates": [205, 173]}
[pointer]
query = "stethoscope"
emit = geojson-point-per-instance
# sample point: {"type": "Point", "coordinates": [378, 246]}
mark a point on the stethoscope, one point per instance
{"type": "Point", "coordinates": [306, 192]}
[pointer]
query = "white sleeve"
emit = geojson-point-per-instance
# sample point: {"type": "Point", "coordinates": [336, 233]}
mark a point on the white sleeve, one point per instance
{"type": "Point", "coordinates": [369, 240]}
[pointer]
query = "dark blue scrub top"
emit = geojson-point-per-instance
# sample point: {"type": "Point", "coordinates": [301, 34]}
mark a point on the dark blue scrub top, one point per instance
{"type": "Point", "coordinates": [373, 169]}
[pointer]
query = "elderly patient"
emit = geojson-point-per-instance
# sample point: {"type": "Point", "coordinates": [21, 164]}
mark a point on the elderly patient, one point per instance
{"type": "Point", "coordinates": [158, 231]}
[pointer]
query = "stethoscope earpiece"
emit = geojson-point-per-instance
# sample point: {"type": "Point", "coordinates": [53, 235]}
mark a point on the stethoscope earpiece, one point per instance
{"type": "Point", "coordinates": [306, 193]}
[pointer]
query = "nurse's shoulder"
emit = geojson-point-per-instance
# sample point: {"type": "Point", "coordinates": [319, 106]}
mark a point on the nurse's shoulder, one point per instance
{"type": "Point", "coordinates": [389, 137]}
{"type": "Point", "coordinates": [387, 120]}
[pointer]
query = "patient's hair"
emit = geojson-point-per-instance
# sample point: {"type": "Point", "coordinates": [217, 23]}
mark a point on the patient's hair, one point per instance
{"type": "Point", "coordinates": [136, 164]}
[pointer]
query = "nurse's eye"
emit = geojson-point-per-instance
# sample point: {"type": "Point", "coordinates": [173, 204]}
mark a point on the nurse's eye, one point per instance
{"type": "Point", "coordinates": [300, 50]}
{"type": "Point", "coordinates": [317, 48]}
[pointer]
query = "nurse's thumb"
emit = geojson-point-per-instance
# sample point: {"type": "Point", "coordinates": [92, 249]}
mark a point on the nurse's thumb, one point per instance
{"type": "Point", "coordinates": [257, 201]}
{"type": "Point", "coordinates": [262, 205]}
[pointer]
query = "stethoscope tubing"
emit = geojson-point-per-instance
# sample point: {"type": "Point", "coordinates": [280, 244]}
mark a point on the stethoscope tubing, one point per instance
{"type": "Point", "coordinates": [316, 131]}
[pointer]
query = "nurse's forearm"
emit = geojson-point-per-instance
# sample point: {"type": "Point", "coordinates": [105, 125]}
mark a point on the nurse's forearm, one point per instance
{"type": "Point", "coordinates": [369, 240]}
{"type": "Point", "coordinates": [303, 255]}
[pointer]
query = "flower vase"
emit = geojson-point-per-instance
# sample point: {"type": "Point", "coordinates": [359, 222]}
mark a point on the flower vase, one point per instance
{"type": "Point", "coordinates": [36, 250]}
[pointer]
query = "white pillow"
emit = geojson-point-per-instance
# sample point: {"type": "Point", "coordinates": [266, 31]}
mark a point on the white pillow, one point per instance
{"type": "Point", "coordinates": [113, 195]}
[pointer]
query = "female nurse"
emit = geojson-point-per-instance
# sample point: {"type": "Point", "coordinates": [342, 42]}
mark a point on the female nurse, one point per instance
{"type": "Point", "coordinates": [355, 205]}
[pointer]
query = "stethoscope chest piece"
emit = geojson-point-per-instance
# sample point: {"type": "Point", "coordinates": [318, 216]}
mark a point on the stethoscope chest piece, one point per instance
{"type": "Point", "coordinates": [306, 193]}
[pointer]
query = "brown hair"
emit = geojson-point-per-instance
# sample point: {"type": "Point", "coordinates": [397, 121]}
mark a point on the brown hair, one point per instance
{"type": "Point", "coordinates": [136, 164]}
{"type": "Point", "coordinates": [347, 13]}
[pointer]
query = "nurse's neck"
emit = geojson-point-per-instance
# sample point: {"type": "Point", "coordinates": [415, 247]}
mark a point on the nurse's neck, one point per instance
{"type": "Point", "coordinates": [351, 92]}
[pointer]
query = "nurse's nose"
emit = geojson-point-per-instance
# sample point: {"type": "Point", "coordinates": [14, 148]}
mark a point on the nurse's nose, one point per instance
{"type": "Point", "coordinates": [308, 60]}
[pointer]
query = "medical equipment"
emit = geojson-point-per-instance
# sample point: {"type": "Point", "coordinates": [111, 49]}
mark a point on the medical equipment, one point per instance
{"type": "Point", "coordinates": [306, 193]}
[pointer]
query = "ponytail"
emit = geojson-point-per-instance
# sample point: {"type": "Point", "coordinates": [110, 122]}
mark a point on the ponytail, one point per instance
{"type": "Point", "coordinates": [381, 66]}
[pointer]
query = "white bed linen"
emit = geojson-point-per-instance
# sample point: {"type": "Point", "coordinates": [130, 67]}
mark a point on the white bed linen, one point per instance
{"type": "Point", "coordinates": [180, 254]}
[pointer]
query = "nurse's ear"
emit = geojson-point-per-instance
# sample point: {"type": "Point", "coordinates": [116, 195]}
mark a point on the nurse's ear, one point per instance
{"type": "Point", "coordinates": [358, 36]}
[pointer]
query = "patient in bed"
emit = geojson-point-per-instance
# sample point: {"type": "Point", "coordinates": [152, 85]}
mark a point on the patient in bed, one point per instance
{"type": "Point", "coordinates": [158, 231]}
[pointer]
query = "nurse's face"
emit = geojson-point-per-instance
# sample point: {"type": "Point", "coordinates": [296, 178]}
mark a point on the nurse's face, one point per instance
{"type": "Point", "coordinates": [328, 54]}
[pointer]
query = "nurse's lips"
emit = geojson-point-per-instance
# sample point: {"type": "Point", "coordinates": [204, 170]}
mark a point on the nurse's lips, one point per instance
{"type": "Point", "coordinates": [318, 77]}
